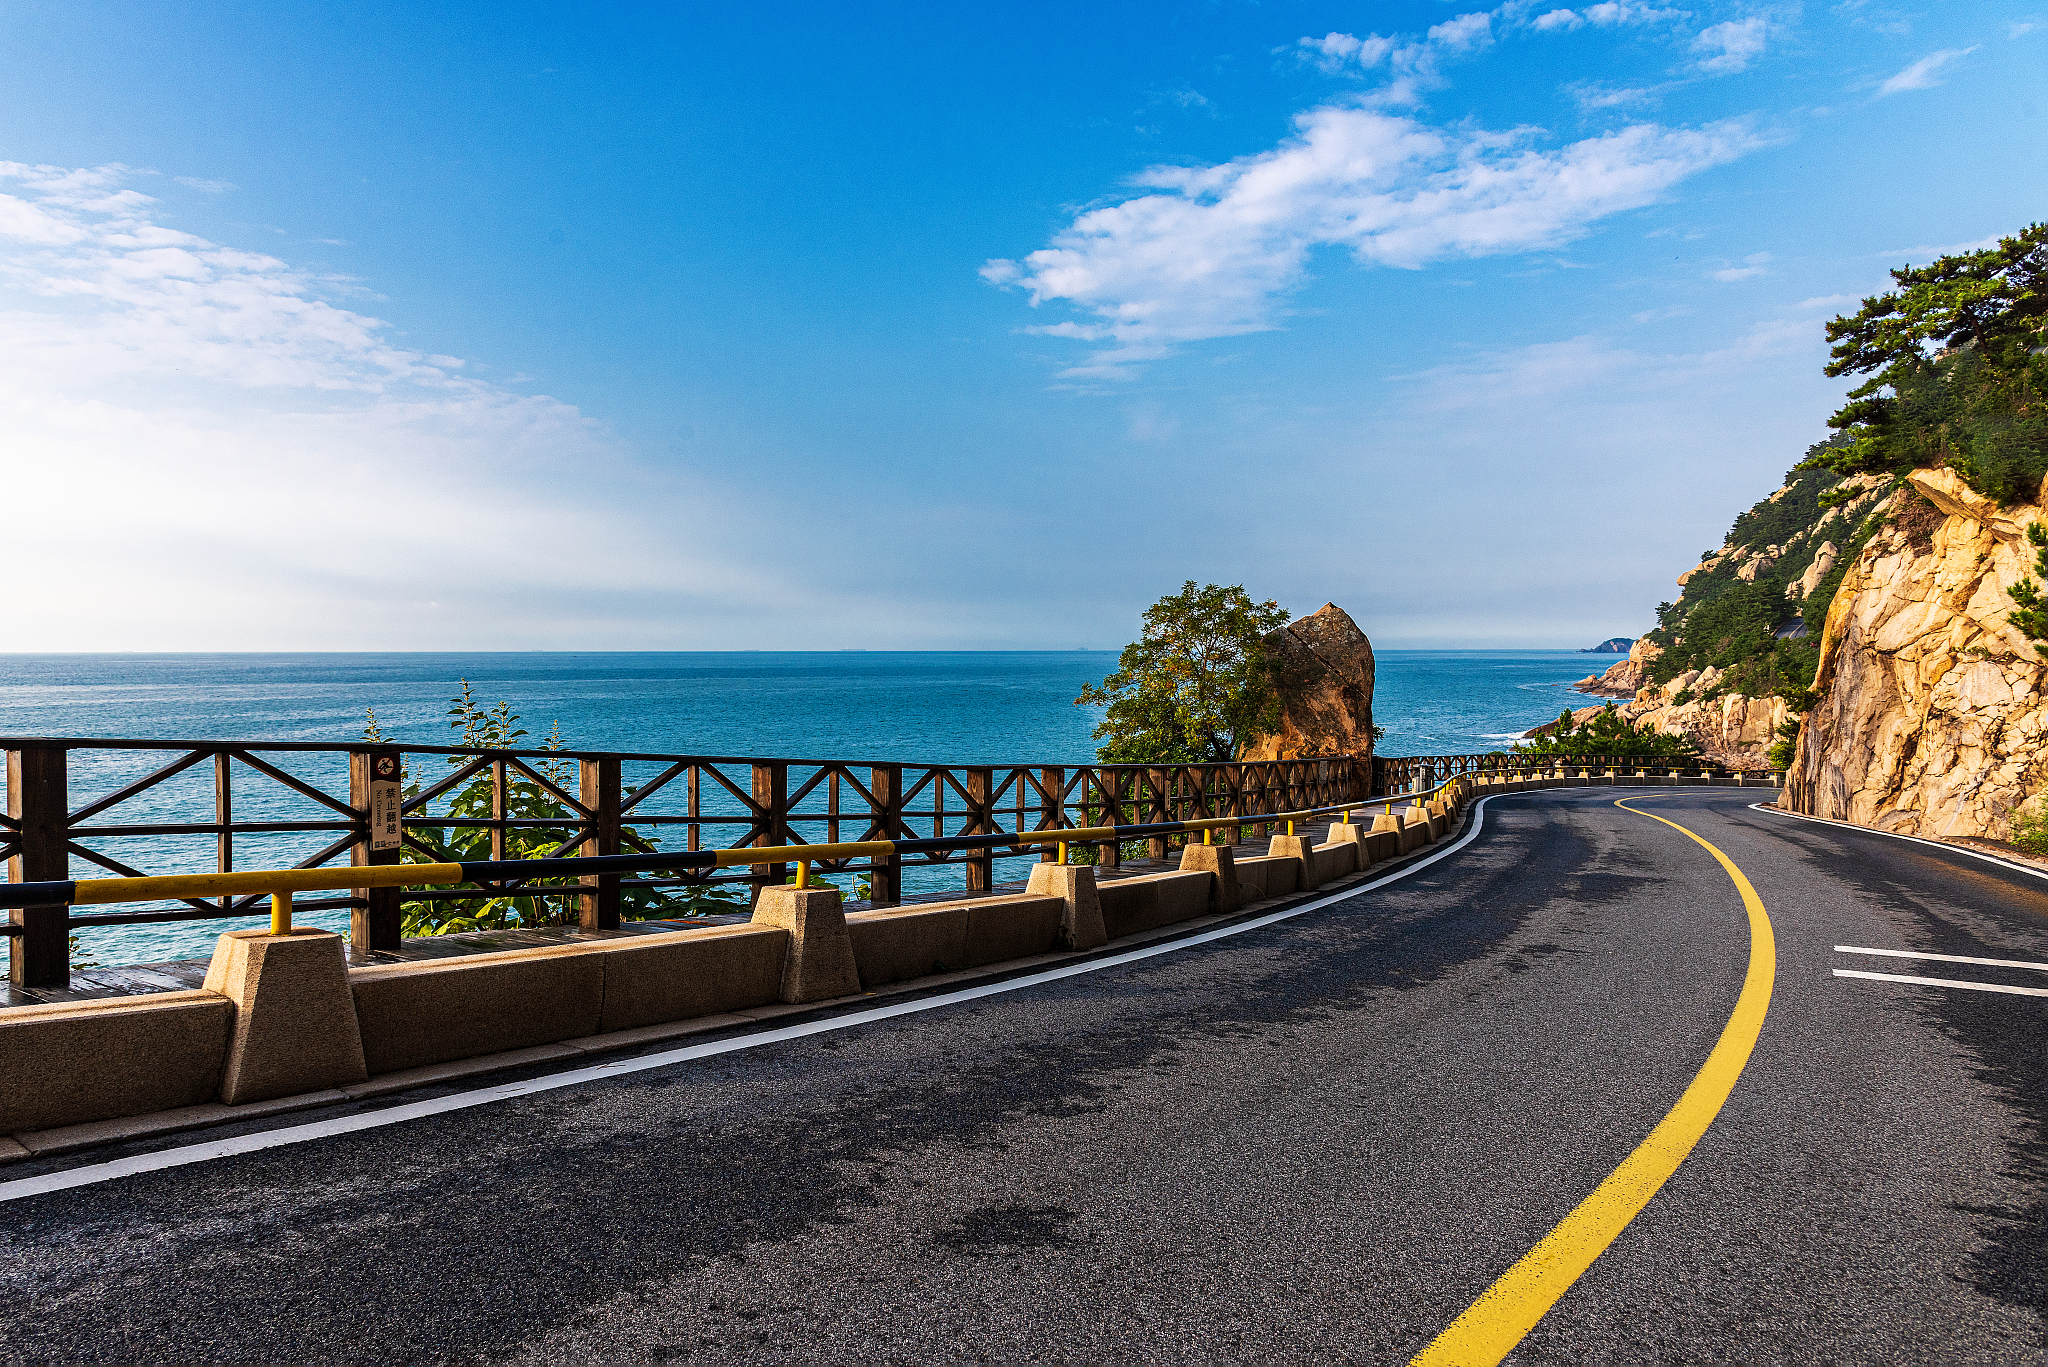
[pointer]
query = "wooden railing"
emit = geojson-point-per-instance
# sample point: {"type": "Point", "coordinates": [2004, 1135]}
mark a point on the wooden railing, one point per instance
{"type": "Point", "coordinates": [113, 804]}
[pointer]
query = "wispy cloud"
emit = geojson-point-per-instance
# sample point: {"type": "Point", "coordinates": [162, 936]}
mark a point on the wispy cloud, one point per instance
{"type": "Point", "coordinates": [228, 459]}
{"type": "Point", "coordinates": [1590, 96]}
{"type": "Point", "coordinates": [1928, 251]}
{"type": "Point", "coordinates": [1925, 73]}
{"type": "Point", "coordinates": [1728, 48]}
{"type": "Point", "coordinates": [211, 187]}
{"type": "Point", "coordinates": [1213, 251]}
{"type": "Point", "coordinates": [1752, 266]}
{"type": "Point", "coordinates": [1414, 62]}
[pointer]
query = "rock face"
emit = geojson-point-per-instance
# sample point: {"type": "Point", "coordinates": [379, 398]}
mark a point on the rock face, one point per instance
{"type": "Point", "coordinates": [1613, 645]}
{"type": "Point", "coordinates": [1327, 663]}
{"type": "Point", "coordinates": [1623, 679]}
{"type": "Point", "coordinates": [1930, 719]}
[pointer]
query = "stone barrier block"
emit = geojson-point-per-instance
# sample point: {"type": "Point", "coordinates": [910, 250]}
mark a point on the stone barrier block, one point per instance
{"type": "Point", "coordinates": [1380, 846]}
{"type": "Point", "coordinates": [1000, 928]}
{"type": "Point", "coordinates": [416, 1014]}
{"type": "Point", "coordinates": [1335, 860]}
{"type": "Point", "coordinates": [1081, 916]}
{"type": "Point", "coordinates": [655, 979]}
{"type": "Point", "coordinates": [820, 963]}
{"type": "Point", "coordinates": [1225, 895]}
{"type": "Point", "coordinates": [894, 943]}
{"type": "Point", "coordinates": [99, 1060]}
{"type": "Point", "coordinates": [295, 1025]}
{"type": "Point", "coordinates": [1269, 876]}
{"type": "Point", "coordinates": [1300, 849]}
{"type": "Point", "coordinates": [1130, 905]}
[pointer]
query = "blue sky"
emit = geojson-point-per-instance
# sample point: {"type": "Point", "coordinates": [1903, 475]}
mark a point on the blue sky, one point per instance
{"type": "Point", "coordinates": [942, 326]}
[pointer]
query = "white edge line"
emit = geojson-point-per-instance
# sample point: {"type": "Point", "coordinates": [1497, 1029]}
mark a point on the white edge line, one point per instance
{"type": "Point", "coordinates": [1941, 982]}
{"type": "Point", "coordinates": [1894, 835]}
{"type": "Point", "coordinates": [1944, 958]}
{"type": "Point", "coordinates": [90, 1174]}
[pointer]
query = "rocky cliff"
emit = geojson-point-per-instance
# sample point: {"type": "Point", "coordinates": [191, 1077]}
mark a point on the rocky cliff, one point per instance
{"type": "Point", "coordinates": [1929, 717]}
{"type": "Point", "coordinates": [1326, 667]}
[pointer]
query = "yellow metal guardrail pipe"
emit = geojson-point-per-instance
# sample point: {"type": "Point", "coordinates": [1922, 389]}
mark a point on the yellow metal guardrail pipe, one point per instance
{"type": "Point", "coordinates": [281, 884]}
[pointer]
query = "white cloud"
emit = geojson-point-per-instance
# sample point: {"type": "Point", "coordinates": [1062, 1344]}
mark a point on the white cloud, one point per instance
{"type": "Point", "coordinates": [1414, 63]}
{"type": "Point", "coordinates": [1925, 73]}
{"type": "Point", "coordinates": [1730, 47]}
{"type": "Point", "coordinates": [1752, 266]}
{"type": "Point", "coordinates": [2020, 29]}
{"type": "Point", "coordinates": [1828, 301]}
{"type": "Point", "coordinates": [211, 187]}
{"type": "Point", "coordinates": [1928, 251]}
{"type": "Point", "coordinates": [1592, 95]}
{"type": "Point", "coordinates": [1212, 251]}
{"type": "Point", "coordinates": [205, 453]}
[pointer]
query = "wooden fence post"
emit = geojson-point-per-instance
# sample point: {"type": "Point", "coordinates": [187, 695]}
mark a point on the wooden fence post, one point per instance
{"type": "Point", "coordinates": [1157, 808]}
{"type": "Point", "coordinates": [1109, 782]}
{"type": "Point", "coordinates": [38, 801]}
{"type": "Point", "coordinates": [885, 880]}
{"type": "Point", "coordinates": [598, 790]}
{"type": "Point", "coordinates": [1053, 812]}
{"type": "Point", "coordinates": [981, 867]}
{"type": "Point", "coordinates": [771, 794]}
{"type": "Point", "coordinates": [374, 790]}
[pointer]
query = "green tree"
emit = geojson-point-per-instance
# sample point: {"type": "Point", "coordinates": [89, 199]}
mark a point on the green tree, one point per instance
{"type": "Point", "coordinates": [1607, 732]}
{"type": "Point", "coordinates": [1957, 375]}
{"type": "Point", "coordinates": [497, 728]}
{"type": "Point", "coordinates": [1197, 686]}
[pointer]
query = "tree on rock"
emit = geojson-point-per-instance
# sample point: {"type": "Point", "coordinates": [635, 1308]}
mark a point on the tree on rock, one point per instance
{"type": "Point", "coordinates": [1957, 373]}
{"type": "Point", "coordinates": [1196, 686]}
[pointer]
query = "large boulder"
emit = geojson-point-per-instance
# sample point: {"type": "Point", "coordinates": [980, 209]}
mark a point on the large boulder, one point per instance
{"type": "Point", "coordinates": [1325, 663]}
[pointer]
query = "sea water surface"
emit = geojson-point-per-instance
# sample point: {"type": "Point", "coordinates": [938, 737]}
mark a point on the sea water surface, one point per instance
{"type": "Point", "coordinates": [913, 707]}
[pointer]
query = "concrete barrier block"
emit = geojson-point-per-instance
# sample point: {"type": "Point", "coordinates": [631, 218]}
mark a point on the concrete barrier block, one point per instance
{"type": "Point", "coordinates": [1225, 894]}
{"type": "Point", "coordinates": [1128, 905]}
{"type": "Point", "coordinates": [1080, 925]}
{"type": "Point", "coordinates": [1002, 928]}
{"type": "Point", "coordinates": [894, 943]}
{"type": "Point", "coordinates": [656, 979]}
{"type": "Point", "coordinates": [1335, 860]}
{"type": "Point", "coordinates": [1300, 849]}
{"type": "Point", "coordinates": [820, 964]}
{"type": "Point", "coordinates": [1263, 876]}
{"type": "Point", "coordinates": [1074, 884]}
{"type": "Point", "coordinates": [295, 1025]}
{"type": "Point", "coordinates": [1379, 846]}
{"type": "Point", "coordinates": [98, 1060]}
{"type": "Point", "coordinates": [416, 1014]}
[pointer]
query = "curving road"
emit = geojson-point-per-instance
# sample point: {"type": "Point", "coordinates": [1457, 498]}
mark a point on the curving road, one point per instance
{"type": "Point", "coordinates": [1320, 1140]}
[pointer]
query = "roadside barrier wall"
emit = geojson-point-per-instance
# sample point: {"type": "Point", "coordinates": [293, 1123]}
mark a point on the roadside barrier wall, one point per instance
{"type": "Point", "coordinates": [275, 1024]}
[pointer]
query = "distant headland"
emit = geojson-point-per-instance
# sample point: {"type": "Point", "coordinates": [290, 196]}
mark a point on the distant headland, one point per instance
{"type": "Point", "coordinates": [1613, 645]}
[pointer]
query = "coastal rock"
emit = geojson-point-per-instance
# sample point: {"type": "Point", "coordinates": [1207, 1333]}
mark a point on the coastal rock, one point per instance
{"type": "Point", "coordinates": [1326, 664]}
{"type": "Point", "coordinates": [1733, 730]}
{"type": "Point", "coordinates": [1930, 718]}
{"type": "Point", "coordinates": [1624, 679]}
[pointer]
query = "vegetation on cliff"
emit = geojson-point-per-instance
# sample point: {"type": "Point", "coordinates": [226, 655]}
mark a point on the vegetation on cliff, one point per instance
{"type": "Point", "coordinates": [1196, 686]}
{"type": "Point", "coordinates": [1738, 601]}
{"type": "Point", "coordinates": [1607, 733]}
{"type": "Point", "coordinates": [1957, 373]}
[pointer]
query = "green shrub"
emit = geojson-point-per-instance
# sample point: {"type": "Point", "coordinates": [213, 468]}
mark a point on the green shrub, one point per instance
{"type": "Point", "coordinates": [497, 728]}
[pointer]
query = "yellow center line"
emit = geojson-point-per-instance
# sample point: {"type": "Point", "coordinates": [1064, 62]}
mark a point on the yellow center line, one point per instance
{"type": "Point", "coordinates": [1510, 1308]}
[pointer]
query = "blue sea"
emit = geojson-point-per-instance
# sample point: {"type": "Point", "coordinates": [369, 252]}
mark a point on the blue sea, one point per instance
{"type": "Point", "coordinates": [911, 707]}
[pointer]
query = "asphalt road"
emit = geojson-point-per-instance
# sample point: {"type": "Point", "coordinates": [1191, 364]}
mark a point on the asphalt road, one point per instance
{"type": "Point", "coordinates": [1316, 1141]}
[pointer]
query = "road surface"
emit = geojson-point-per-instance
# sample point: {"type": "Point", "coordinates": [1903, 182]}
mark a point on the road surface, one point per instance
{"type": "Point", "coordinates": [1318, 1140]}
